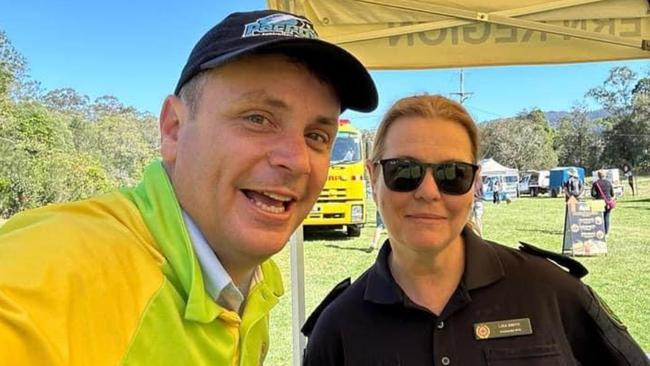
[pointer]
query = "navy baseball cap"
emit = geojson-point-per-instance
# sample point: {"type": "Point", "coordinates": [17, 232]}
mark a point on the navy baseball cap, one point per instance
{"type": "Point", "coordinates": [270, 31]}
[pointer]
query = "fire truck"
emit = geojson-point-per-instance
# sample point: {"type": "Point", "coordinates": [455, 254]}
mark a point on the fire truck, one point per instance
{"type": "Point", "coordinates": [342, 202]}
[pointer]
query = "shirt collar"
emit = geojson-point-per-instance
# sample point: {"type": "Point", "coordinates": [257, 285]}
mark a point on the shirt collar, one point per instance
{"type": "Point", "coordinates": [482, 264]}
{"type": "Point", "coordinates": [482, 268]}
{"type": "Point", "coordinates": [218, 282]}
{"type": "Point", "coordinates": [162, 214]}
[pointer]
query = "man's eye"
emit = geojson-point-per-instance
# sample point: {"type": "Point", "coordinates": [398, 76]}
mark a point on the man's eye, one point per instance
{"type": "Point", "coordinates": [318, 136]}
{"type": "Point", "coordinates": [257, 119]}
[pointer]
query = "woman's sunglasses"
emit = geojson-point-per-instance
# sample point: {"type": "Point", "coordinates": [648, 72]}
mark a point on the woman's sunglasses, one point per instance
{"type": "Point", "coordinates": [405, 175]}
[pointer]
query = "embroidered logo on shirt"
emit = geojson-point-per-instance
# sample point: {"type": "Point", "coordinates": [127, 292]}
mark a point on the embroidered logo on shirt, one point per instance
{"type": "Point", "coordinates": [503, 328]}
{"type": "Point", "coordinates": [482, 331]}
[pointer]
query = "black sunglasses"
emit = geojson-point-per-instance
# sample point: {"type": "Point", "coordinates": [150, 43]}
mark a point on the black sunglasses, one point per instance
{"type": "Point", "coordinates": [405, 175]}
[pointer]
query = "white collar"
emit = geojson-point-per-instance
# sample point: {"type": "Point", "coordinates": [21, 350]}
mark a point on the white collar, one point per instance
{"type": "Point", "coordinates": [218, 282]}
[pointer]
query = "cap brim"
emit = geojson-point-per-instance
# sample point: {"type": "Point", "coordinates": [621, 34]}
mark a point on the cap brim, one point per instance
{"type": "Point", "coordinates": [348, 76]}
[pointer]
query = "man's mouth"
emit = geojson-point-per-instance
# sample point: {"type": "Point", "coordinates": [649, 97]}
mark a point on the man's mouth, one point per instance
{"type": "Point", "coordinates": [268, 201]}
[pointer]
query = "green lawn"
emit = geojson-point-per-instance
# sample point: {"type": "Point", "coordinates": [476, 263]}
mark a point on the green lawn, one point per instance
{"type": "Point", "coordinates": [622, 277]}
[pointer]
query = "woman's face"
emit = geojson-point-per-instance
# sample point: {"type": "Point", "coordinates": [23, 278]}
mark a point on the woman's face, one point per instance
{"type": "Point", "coordinates": [425, 220]}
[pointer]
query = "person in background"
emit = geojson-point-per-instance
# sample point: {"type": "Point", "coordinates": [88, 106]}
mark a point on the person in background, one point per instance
{"type": "Point", "coordinates": [496, 190]}
{"type": "Point", "coordinates": [379, 229]}
{"type": "Point", "coordinates": [438, 294]}
{"type": "Point", "coordinates": [627, 172]}
{"type": "Point", "coordinates": [177, 270]}
{"type": "Point", "coordinates": [602, 189]}
{"type": "Point", "coordinates": [477, 207]}
{"type": "Point", "coordinates": [573, 186]}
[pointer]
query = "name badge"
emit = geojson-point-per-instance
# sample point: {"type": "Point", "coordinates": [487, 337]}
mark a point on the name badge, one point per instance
{"type": "Point", "coordinates": [503, 328]}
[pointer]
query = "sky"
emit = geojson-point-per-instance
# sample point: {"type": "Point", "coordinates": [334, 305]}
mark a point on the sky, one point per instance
{"type": "Point", "coordinates": [135, 50]}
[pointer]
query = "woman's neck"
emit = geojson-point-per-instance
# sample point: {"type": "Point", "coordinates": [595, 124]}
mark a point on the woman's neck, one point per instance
{"type": "Point", "coordinates": [429, 280]}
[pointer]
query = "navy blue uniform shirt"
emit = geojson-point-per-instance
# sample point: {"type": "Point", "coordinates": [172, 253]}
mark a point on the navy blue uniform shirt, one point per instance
{"type": "Point", "coordinates": [373, 322]}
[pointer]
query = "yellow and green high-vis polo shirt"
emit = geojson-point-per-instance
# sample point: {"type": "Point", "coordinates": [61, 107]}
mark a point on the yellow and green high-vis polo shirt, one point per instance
{"type": "Point", "coordinates": [113, 280]}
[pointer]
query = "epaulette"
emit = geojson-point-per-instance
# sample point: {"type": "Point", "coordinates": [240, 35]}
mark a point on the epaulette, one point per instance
{"type": "Point", "coordinates": [575, 268]}
{"type": "Point", "coordinates": [333, 294]}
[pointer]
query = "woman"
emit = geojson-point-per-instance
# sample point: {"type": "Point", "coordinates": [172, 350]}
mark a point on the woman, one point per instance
{"type": "Point", "coordinates": [440, 295]}
{"type": "Point", "coordinates": [602, 189]}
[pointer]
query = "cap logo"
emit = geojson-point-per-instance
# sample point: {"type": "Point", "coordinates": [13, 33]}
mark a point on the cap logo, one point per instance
{"type": "Point", "coordinates": [280, 25]}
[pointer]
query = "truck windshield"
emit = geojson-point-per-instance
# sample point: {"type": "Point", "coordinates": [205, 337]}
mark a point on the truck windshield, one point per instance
{"type": "Point", "coordinates": [347, 149]}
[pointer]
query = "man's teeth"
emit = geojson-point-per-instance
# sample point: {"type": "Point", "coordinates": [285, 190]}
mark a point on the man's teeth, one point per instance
{"type": "Point", "coordinates": [277, 196]}
{"type": "Point", "coordinates": [273, 209]}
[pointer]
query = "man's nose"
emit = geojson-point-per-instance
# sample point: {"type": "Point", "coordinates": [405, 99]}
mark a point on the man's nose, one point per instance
{"type": "Point", "coordinates": [291, 153]}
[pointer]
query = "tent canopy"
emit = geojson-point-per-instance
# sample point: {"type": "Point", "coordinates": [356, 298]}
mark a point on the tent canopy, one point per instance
{"type": "Point", "coordinates": [492, 167]}
{"type": "Point", "coordinates": [414, 34]}
{"type": "Point", "coordinates": [418, 34]}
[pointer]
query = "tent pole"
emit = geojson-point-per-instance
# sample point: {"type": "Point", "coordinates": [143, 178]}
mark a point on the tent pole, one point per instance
{"type": "Point", "coordinates": [297, 294]}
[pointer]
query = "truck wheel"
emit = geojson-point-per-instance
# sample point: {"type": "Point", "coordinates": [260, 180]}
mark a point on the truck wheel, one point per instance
{"type": "Point", "coordinates": [353, 230]}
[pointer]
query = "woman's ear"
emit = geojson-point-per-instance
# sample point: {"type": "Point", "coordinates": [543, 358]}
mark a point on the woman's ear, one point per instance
{"type": "Point", "coordinates": [372, 174]}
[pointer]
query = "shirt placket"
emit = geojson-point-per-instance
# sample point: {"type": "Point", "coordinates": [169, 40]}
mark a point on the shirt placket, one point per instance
{"type": "Point", "coordinates": [444, 339]}
{"type": "Point", "coordinates": [232, 322]}
{"type": "Point", "coordinates": [443, 351]}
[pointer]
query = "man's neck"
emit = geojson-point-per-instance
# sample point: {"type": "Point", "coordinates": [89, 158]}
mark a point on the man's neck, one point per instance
{"type": "Point", "coordinates": [241, 278]}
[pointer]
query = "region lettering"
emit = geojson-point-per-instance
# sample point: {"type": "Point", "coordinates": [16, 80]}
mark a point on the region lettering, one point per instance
{"type": "Point", "coordinates": [479, 33]}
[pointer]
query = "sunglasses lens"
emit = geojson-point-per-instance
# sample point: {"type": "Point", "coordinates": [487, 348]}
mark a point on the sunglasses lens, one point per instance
{"type": "Point", "coordinates": [454, 178]}
{"type": "Point", "coordinates": [402, 175]}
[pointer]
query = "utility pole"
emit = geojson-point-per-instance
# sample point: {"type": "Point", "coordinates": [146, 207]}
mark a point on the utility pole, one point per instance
{"type": "Point", "coordinates": [462, 94]}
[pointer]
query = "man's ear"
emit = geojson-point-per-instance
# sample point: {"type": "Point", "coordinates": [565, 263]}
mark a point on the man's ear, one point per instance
{"type": "Point", "coordinates": [172, 115]}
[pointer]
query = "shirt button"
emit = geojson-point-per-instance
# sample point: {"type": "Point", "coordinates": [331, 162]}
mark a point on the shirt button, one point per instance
{"type": "Point", "coordinates": [445, 361]}
{"type": "Point", "coordinates": [440, 325]}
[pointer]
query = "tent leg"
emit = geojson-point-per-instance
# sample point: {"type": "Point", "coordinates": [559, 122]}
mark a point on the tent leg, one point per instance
{"type": "Point", "coordinates": [297, 294]}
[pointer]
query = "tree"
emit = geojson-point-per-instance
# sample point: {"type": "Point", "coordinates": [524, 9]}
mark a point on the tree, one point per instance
{"type": "Point", "coordinates": [109, 105]}
{"type": "Point", "coordinates": [629, 139]}
{"type": "Point", "coordinates": [626, 132]}
{"type": "Point", "coordinates": [521, 142]}
{"type": "Point", "coordinates": [57, 146]}
{"type": "Point", "coordinates": [578, 141]}
{"type": "Point", "coordinates": [123, 145]}
{"type": "Point", "coordinates": [12, 65]}
{"type": "Point", "coordinates": [615, 95]}
{"type": "Point", "coordinates": [67, 100]}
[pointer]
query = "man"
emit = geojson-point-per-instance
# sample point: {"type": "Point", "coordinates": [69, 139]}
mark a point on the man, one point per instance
{"type": "Point", "coordinates": [176, 270]}
{"type": "Point", "coordinates": [573, 186]}
{"type": "Point", "coordinates": [627, 172]}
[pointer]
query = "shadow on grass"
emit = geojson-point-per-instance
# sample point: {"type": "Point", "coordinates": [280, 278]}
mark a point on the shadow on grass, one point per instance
{"type": "Point", "coordinates": [364, 250]}
{"type": "Point", "coordinates": [635, 200]}
{"type": "Point", "coordinates": [543, 231]}
{"type": "Point", "coordinates": [329, 235]}
{"type": "Point", "coordinates": [635, 208]}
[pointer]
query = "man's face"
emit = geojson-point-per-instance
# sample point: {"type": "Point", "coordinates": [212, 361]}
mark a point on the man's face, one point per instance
{"type": "Point", "coordinates": [251, 162]}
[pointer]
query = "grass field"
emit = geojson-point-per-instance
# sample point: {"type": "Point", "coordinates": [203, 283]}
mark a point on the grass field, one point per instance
{"type": "Point", "coordinates": [622, 277]}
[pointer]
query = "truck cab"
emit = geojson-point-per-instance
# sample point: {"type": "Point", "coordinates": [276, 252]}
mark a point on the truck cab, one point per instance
{"type": "Point", "coordinates": [342, 202]}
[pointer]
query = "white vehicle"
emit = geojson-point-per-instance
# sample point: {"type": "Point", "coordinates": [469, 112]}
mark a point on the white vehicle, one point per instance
{"type": "Point", "coordinates": [534, 182]}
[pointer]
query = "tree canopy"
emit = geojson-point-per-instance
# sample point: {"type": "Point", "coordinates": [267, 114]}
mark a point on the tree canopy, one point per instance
{"type": "Point", "coordinates": [59, 146]}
